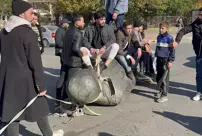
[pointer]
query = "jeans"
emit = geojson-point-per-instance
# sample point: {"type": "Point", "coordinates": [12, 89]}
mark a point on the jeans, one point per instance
{"type": "Point", "coordinates": [119, 21]}
{"type": "Point", "coordinates": [199, 73]}
{"type": "Point", "coordinates": [122, 60]}
{"type": "Point", "coordinates": [43, 124]}
{"type": "Point", "coordinates": [132, 51]}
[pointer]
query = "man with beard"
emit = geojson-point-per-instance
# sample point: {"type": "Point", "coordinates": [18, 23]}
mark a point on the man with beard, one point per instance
{"type": "Point", "coordinates": [71, 54]}
{"type": "Point", "coordinates": [99, 38]}
{"type": "Point", "coordinates": [21, 73]}
{"type": "Point", "coordinates": [59, 39]}
{"type": "Point", "coordinates": [128, 53]}
{"type": "Point", "coordinates": [196, 29]}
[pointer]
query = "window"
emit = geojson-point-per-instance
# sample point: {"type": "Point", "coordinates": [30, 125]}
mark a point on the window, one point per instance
{"type": "Point", "coordinates": [43, 29]}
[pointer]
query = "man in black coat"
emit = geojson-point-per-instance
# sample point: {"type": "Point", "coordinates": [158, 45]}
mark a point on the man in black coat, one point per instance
{"type": "Point", "coordinates": [196, 29]}
{"type": "Point", "coordinates": [59, 38]}
{"type": "Point", "coordinates": [21, 72]}
{"type": "Point", "coordinates": [71, 54]}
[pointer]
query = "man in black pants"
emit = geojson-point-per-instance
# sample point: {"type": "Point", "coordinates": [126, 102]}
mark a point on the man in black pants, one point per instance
{"type": "Point", "coordinates": [71, 54]}
{"type": "Point", "coordinates": [21, 72]}
{"type": "Point", "coordinates": [59, 39]}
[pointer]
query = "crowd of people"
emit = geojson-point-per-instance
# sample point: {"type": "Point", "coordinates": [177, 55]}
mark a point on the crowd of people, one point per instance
{"type": "Point", "coordinates": [124, 44]}
{"type": "Point", "coordinates": [21, 69]}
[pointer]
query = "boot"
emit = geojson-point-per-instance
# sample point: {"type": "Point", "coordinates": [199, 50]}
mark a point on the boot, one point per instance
{"type": "Point", "coordinates": [131, 75]}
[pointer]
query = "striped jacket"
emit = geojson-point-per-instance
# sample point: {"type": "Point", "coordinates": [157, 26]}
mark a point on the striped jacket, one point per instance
{"type": "Point", "coordinates": [163, 49]}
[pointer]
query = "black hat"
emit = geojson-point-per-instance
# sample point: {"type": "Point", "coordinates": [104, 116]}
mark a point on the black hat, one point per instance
{"type": "Point", "coordinates": [64, 20]}
{"type": "Point", "coordinates": [137, 23]}
{"type": "Point", "coordinates": [19, 7]}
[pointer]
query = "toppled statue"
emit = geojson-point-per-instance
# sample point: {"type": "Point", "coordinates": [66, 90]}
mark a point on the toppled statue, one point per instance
{"type": "Point", "coordinates": [85, 86]}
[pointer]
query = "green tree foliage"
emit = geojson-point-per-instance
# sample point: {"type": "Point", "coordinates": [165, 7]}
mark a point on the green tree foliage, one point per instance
{"type": "Point", "coordinates": [5, 7]}
{"type": "Point", "coordinates": [180, 7]}
{"type": "Point", "coordinates": [77, 6]}
{"type": "Point", "coordinates": [137, 8]}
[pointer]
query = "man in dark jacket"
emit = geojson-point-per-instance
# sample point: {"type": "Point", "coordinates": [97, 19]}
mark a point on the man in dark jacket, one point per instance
{"type": "Point", "coordinates": [21, 72]}
{"type": "Point", "coordinates": [71, 54]}
{"type": "Point", "coordinates": [196, 29]}
{"type": "Point", "coordinates": [59, 39]}
{"type": "Point", "coordinates": [100, 39]}
{"type": "Point", "coordinates": [128, 50]}
{"type": "Point", "coordinates": [59, 36]}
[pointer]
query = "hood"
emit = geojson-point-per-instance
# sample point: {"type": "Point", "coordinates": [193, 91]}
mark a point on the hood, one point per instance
{"type": "Point", "coordinates": [15, 21]}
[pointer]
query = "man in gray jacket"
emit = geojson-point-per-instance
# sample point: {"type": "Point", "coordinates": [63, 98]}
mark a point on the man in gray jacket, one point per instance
{"type": "Point", "coordinates": [100, 39]}
{"type": "Point", "coordinates": [116, 10]}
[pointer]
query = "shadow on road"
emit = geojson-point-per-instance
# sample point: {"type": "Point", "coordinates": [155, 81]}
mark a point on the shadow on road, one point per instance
{"type": "Point", "coordinates": [189, 122]}
{"type": "Point", "coordinates": [51, 77]}
{"type": "Point", "coordinates": [144, 93]}
{"type": "Point", "coordinates": [191, 63]}
{"type": "Point", "coordinates": [22, 130]}
{"type": "Point", "coordinates": [25, 132]}
{"type": "Point", "coordinates": [175, 88]}
{"type": "Point", "coordinates": [182, 89]}
{"type": "Point", "coordinates": [104, 134]}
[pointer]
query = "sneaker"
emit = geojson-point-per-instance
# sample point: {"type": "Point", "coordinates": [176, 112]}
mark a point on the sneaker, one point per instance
{"type": "Point", "coordinates": [197, 97]}
{"type": "Point", "coordinates": [58, 133]}
{"type": "Point", "coordinates": [131, 75]}
{"type": "Point", "coordinates": [162, 99]}
{"type": "Point", "coordinates": [158, 95]}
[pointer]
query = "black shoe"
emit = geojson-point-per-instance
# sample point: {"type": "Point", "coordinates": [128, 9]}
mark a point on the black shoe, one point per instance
{"type": "Point", "coordinates": [149, 74]}
{"type": "Point", "coordinates": [102, 66]}
{"type": "Point", "coordinates": [141, 76]}
{"type": "Point", "coordinates": [131, 75]}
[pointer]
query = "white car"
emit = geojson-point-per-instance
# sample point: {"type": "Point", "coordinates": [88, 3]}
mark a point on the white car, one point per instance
{"type": "Point", "coordinates": [48, 34]}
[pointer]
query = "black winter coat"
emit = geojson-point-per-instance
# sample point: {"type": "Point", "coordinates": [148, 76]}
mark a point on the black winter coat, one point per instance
{"type": "Point", "coordinates": [21, 72]}
{"type": "Point", "coordinates": [71, 54]}
{"type": "Point", "coordinates": [196, 29]}
{"type": "Point", "coordinates": [59, 38]}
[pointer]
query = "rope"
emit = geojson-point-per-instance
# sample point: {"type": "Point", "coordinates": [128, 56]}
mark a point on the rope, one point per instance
{"type": "Point", "coordinates": [98, 60]}
{"type": "Point", "coordinates": [33, 100]}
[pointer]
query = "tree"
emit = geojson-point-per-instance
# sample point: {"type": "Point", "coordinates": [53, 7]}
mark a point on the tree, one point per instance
{"type": "Point", "coordinates": [180, 7]}
{"type": "Point", "coordinates": [76, 6]}
{"type": "Point", "coordinates": [5, 8]}
{"type": "Point", "coordinates": [146, 8]}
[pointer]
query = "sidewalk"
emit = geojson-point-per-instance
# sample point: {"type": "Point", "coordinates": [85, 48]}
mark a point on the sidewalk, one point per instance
{"type": "Point", "coordinates": [152, 33]}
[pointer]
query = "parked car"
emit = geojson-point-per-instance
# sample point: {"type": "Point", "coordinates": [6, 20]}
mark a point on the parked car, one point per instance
{"type": "Point", "coordinates": [48, 34]}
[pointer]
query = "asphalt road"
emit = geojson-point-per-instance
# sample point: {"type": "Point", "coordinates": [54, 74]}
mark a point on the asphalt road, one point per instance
{"type": "Point", "coordinates": [138, 114]}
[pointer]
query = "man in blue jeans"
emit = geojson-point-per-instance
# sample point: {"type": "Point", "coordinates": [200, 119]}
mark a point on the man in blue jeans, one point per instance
{"type": "Point", "coordinates": [196, 28]}
{"type": "Point", "coordinates": [116, 10]}
{"type": "Point", "coordinates": [129, 51]}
